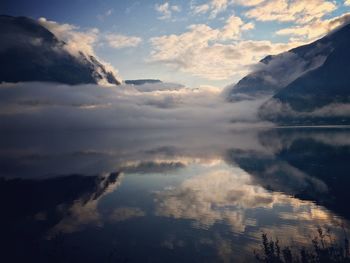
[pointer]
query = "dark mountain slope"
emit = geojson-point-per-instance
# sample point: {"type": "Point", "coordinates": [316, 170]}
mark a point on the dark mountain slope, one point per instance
{"type": "Point", "coordinates": [275, 72]}
{"type": "Point", "coordinates": [321, 96]}
{"type": "Point", "coordinates": [30, 52]}
{"type": "Point", "coordinates": [326, 84]}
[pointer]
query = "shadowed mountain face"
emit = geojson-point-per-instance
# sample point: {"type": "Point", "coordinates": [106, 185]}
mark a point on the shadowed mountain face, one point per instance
{"type": "Point", "coordinates": [326, 87]}
{"type": "Point", "coordinates": [30, 52]}
{"type": "Point", "coordinates": [308, 85]}
{"type": "Point", "coordinates": [276, 72]}
{"type": "Point", "coordinates": [326, 84]}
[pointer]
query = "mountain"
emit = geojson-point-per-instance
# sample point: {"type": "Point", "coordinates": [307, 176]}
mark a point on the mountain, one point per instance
{"type": "Point", "coordinates": [142, 81]}
{"type": "Point", "coordinates": [307, 85]}
{"type": "Point", "coordinates": [30, 52]}
{"type": "Point", "coordinates": [273, 73]}
{"type": "Point", "coordinates": [320, 96]}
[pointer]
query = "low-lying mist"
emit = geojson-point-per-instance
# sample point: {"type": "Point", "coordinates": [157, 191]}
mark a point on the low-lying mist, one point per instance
{"type": "Point", "coordinates": [47, 106]}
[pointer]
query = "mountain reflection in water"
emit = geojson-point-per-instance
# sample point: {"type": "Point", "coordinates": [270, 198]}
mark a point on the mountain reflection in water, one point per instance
{"type": "Point", "coordinates": [169, 196]}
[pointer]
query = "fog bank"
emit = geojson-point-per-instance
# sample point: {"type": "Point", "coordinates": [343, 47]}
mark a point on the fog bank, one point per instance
{"type": "Point", "coordinates": [47, 106]}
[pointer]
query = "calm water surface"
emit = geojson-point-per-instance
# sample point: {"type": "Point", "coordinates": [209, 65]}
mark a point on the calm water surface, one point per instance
{"type": "Point", "coordinates": [169, 196]}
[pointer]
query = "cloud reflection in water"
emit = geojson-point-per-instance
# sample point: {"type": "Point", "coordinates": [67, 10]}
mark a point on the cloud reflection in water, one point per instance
{"type": "Point", "coordinates": [230, 195]}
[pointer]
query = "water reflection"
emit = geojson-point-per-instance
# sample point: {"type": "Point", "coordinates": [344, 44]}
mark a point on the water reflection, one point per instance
{"type": "Point", "coordinates": [231, 196]}
{"type": "Point", "coordinates": [183, 195]}
{"type": "Point", "coordinates": [310, 164]}
{"type": "Point", "coordinates": [95, 152]}
{"type": "Point", "coordinates": [83, 211]}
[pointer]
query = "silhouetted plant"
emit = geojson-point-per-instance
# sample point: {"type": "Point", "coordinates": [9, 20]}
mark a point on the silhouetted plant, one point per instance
{"type": "Point", "coordinates": [323, 249]}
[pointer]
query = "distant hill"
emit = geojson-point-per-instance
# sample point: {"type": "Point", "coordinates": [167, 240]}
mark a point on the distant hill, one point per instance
{"type": "Point", "coordinates": [30, 52]}
{"type": "Point", "coordinates": [142, 81]}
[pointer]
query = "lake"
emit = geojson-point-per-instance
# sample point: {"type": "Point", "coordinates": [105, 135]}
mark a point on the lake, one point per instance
{"type": "Point", "coordinates": [181, 195]}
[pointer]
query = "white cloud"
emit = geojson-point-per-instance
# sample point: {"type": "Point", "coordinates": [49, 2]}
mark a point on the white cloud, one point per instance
{"type": "Point", "coordinates": [76, 41]}
{"type": "Point", "coordinates": [274, 108]}
{"type": "Point", "coordinates": [214, 6]}
{"type": "Point", "coordinates": [166, 10]}
{"type": "Point", "coordinates": [109, 12]}
{"type": "Point", "coordinates": [106, 14]}
{"type": "Point", "coordinates": [176, 8]}
{"type": "Point", "coordinates": [248, 2]}
{"type": "Point", "coordinates": [79, 41]}
{"type": "Point", "coordinates": [132, 7]}
{"type": "Point", "coordinates": [347, 2]}
{"type": "Point", "coordinates": [233, 28]}
{"type": "Point", "coordinates": [316, 28]}
{"type": "Point", "coordinates": [201, 9]}
{"type": "Point", "coordinates": [218, 6]}
{"type": "Point", "coordinates": [122, 41]}
{"type": "Point", "coordinates": [299, 11]}
{"type": "Point", "coordinates": [56, 106]}
{"type": "Point", "coordinates": [202, 50]}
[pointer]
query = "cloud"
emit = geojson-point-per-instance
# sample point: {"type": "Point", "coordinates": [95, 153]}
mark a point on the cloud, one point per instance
{"type": "Point", "coordinates": [248, 2]}
{"type": "Point", "coordinates": [77, 42]}
{"type": "Point", "coordinates": [281, 70]}
{"type": "Point", "coordinates": [176, 8]}
{"type": "Point", "coordinates": [200, 9]}
{"type": "Point", "coordinates": [214, 6]}
{"type": "Point", "coordinates": [202, 50]}
{"type": "Point", "coordinates": [316, 28]}
{"type": "Point", "coordinates": [299, 11]}
{"type": "Point", "coordinates": [49, 106]}
{"type": "Point", "coordinates": [346, 2]}
{"type": "Point", "coordinates": [166, 10]}
{"type": "Point", "coordinates": [233, 28]}
{"type": "Point", "coordinates": [121, 41]}
{"type": "Point", "coordinates": [274, 108]}
{"type": "Point", "coordinates": [106, 14]}
{"type": "Point", "coordinates": [218, 6]}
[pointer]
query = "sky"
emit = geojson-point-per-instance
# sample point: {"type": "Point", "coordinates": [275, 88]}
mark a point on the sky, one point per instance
{"type": "Point", "coordinates": [198, 43]}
